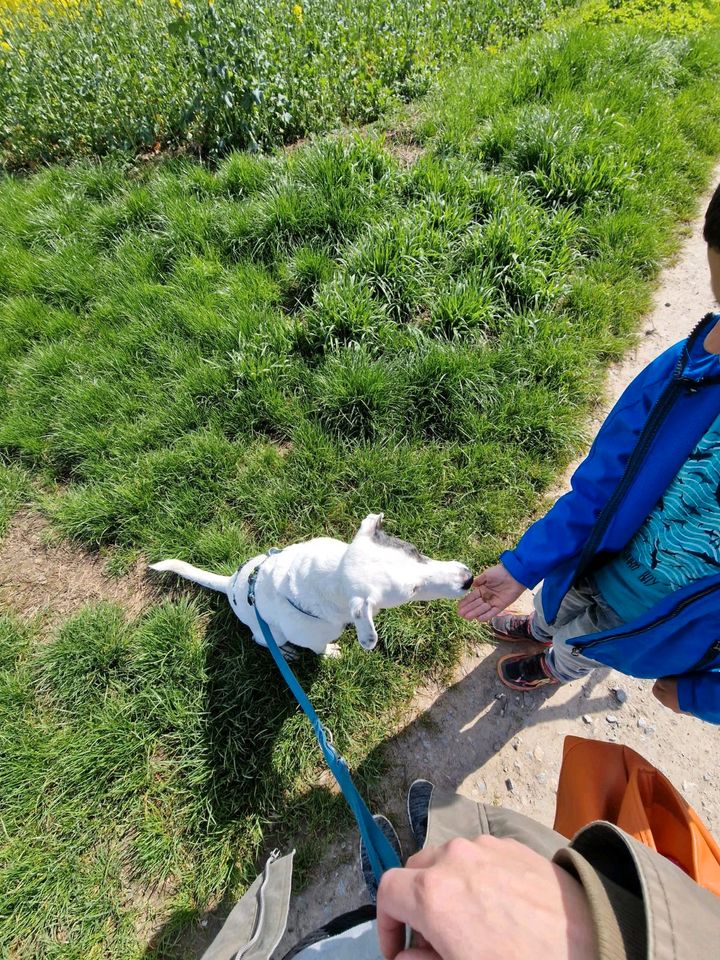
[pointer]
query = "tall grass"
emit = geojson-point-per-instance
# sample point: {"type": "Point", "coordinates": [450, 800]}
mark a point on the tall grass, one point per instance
{"type": "Point", "coordinates": [213, 361]}
{"type": "Point", "coordinates": [81, 77]}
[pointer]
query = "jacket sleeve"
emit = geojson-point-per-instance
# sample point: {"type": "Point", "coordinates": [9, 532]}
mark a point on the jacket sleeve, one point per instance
{"type": "Point", "coordinates": [564, 530]}
{"type": "Point", "coordinates": [643, 906]}
{"type": "Point", "coordinates": [699, 694]}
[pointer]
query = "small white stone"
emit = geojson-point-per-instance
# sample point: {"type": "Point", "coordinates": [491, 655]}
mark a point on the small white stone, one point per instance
{"type": "Point", "coordinates": [688, 785]}
{"type": "Point", "coordinates": [611, 718]}
{"type": "Point", "coordinates": [587, 718]}
{"type": "Point", "coordinates": [641, 722]}
{"type": "Point", "coordinates": [538, 753]}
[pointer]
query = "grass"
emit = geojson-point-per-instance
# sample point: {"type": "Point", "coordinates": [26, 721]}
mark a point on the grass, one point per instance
{"type": "Point", "coordinates": [88, 77]}
{"type": "Point", "coordinates": [210, 361]}
{"type": "Point", "coordinates": [137, 757]}
{"type": "Point", "coordinates": [16, 488]}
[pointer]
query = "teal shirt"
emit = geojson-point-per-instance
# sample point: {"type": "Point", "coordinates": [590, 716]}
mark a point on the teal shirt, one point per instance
{"type": "Point", "coordinates": [677, 544]}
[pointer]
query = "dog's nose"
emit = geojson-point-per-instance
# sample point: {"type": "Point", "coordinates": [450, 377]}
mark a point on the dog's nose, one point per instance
{"type": "Point", "coordinates": [468, 583]}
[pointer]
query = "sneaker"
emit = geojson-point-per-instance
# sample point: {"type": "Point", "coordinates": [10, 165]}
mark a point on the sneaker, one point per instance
{"type": "Point", "coordinates": [418, 804]}
{"type": "Point", "coordinates": [520, 672]}
{"type": "Point", "coordinates": [515, 627]}
{"type": "Point", "coordinates": [365, 866]}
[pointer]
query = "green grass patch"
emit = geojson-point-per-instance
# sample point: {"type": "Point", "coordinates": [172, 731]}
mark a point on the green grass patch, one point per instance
{"type": "Point", "coordinates": [142, 764]}
{"type": "Point", "coordinates": [15, 491]}
{"type": "Point", "coordinates": [81, 77]}
{"type": "Point", "coordinates": [215, 361]}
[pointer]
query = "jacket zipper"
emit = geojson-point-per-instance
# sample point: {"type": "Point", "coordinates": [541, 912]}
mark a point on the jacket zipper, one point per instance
{"type": "Point", "coordinates": [707, 657]}
{"type": "Point", "coordinates": [657, 416]}
{"type": "Point", "coordinates": [712, 652]}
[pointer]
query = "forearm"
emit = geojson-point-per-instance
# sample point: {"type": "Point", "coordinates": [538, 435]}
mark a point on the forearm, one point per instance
{"type": "Point", "coordinates": [562, 533]}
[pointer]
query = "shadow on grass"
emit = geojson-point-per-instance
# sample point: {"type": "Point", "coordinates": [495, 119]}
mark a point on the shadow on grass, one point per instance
{"type": "Point", "coordinates": [245, 707]}
{"type": "Point", "coordinates": [461, 730]}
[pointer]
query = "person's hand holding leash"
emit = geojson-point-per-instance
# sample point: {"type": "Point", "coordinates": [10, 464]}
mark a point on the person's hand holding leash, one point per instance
{"type": "Point", "coordinates": [483, 899]}
{"type": "Point", "coordinates": [492, 592]}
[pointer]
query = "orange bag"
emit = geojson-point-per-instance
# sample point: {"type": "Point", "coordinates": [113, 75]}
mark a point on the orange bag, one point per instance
{"type": "Point", "coordinates": [608, 781]}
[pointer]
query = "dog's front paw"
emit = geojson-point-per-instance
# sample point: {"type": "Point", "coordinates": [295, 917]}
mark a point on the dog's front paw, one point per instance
{"type": "Point", "coordinates": [332, 650]}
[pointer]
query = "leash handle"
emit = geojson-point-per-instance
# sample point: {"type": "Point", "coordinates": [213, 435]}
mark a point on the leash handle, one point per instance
{"type": "Point", "coordinates": [380, 851]}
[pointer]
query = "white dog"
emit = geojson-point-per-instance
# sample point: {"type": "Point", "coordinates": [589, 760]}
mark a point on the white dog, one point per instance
{"type": "Point", "coordinates": [309, 592]}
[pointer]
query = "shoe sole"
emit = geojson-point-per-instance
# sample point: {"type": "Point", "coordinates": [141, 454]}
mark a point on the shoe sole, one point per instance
{"type": "Point", "coordinates": [545, 644]}
{"type": "Point", "coordinates": [517, 686]}
{"type": "Point", "coordinates": [417, 839]}
{"type": "Point", "coordinates": [387, 828]}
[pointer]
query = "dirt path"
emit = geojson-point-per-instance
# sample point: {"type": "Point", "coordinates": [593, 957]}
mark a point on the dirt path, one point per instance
{"type": "Point", "coordinates": [505, 749]}
{"type": "Point", "coordinates": [40, 574]}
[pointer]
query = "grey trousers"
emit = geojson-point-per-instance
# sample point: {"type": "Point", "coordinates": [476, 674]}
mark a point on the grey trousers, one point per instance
{"type": "Point", "coordinates": [452, 815]}
{"type": "Point", "coordinates": [582, 611]}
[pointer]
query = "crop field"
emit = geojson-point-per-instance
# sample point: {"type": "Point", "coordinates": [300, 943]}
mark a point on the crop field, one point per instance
{"type": "Point", "coordinates": [204, 358]}
{"type": "Point", "coordinates": [84, 77]}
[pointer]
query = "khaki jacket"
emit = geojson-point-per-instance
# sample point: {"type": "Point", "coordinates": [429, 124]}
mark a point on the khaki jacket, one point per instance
{"type": "Point", "coordinates": [643, 906]}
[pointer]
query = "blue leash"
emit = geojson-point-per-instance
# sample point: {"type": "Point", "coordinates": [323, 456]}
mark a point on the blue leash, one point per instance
{"type": "Point", "coordinates": [379, 849]}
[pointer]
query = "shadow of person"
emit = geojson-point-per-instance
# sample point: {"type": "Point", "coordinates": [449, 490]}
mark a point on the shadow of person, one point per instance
{"type": "Point", "coordinates": [245, 705]}
{"type": "Point", "coordinates": [456, 735]}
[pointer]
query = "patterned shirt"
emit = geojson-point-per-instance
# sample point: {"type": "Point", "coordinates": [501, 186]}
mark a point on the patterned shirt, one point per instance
{"type": "Point", "coordinates": [677, 544]}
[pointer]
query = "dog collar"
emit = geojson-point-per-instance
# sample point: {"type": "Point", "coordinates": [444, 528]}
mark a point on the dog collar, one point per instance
{"type": "Point", "coordinates": [252, 580]}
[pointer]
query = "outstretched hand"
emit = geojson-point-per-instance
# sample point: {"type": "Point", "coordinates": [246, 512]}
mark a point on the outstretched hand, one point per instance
{"type": "Point", "coordinates": [493, 591]}
{"type": "Point", "coordinates": [666, 691]}
{"type": "Point", "coordinates": [488, 898]}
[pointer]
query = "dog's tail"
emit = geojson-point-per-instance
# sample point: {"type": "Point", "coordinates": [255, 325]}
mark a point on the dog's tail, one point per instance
{"type": "Point", "coordinates": [210, 580]}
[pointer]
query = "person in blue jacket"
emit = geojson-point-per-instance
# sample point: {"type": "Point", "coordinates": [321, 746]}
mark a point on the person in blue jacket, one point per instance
{"type": "Point", "coordinates": [630, 557]}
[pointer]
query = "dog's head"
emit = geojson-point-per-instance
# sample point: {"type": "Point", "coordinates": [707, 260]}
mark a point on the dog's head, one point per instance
{"type": "Point", "coordinates": [380, 571]}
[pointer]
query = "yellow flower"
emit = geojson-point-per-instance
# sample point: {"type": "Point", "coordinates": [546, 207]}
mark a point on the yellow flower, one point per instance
{"type": "Point", "coordinates": [4, 45]}
{"type": "Point", "coordinates": [298, 12]}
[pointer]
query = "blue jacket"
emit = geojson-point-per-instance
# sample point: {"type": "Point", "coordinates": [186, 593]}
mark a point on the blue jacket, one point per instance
{"type": "Point", "coordinates": [639, 449]}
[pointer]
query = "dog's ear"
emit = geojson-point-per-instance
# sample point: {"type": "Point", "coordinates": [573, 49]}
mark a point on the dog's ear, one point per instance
{"type": "Point", "coordinates": [370, 525]}
{"type": "Point", "coordinates": [361, 611]}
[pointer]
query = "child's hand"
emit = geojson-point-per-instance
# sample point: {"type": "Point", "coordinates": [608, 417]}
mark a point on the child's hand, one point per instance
{"type": "Point", "coordinates": [492, 592]}
{"type": "Point", "coordinates": [666, 692]}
